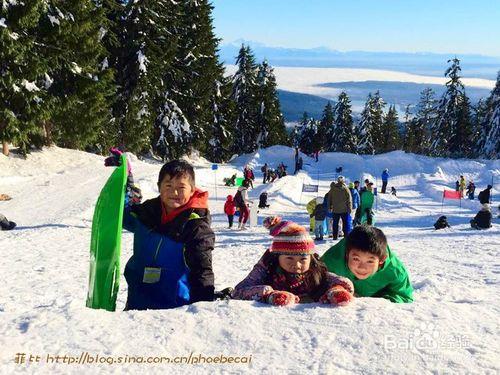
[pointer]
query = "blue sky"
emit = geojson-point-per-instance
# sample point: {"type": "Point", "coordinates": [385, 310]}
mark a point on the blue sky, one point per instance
{"type": "Point", "coordinates": [441, 26]}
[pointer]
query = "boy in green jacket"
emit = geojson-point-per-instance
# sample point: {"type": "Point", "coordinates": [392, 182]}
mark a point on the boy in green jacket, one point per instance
{"type": "Point", "coordinates": [365, 258]}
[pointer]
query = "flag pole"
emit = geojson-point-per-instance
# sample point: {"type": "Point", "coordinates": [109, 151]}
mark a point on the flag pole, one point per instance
{"type": "Point", "coordinates": [491, 195]}
{"type": "Point", "coordinates": [215, 184]}
{"type": "Point", "coordinates": [317, 193]}
{"type": "Point", "coordinates": [301, 190]}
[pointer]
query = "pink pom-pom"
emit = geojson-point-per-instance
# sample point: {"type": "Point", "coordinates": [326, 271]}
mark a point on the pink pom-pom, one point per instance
{"type": "Point", "coordinates": [271, 221]}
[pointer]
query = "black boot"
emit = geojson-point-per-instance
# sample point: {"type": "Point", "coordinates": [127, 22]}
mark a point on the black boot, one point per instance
{"type": "Point", "coordinates": [223, 294]}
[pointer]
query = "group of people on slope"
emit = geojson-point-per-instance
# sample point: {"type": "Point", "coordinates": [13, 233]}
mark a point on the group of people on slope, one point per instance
{"type": "Point", "coordinates": [269, 175]}
{"type": "Point", "coordinates": [239, 202]}
{"type": "Point", "coordinates": [341, 204]}
{"type": "Point", "coordinates": [483, 218]}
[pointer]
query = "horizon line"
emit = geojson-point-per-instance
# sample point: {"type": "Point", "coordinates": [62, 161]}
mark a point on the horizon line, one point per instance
{"type": "Point", "coordinates": [260, 44]}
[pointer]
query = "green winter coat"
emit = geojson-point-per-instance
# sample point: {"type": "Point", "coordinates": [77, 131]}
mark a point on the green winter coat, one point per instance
{"type": "Point", "coordinates": [391, 281]}
{"type": "Point", "coordinates": [310, 210]}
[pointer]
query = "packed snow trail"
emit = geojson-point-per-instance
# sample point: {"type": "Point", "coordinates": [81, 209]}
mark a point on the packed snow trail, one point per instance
{"type": "Point", "coordinates": [451, 327]}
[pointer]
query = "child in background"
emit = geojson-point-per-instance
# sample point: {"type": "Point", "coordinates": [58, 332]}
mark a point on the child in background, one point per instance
{"type": "Point", "coordinates": [6, 224]}
{"type": "Point", "coordinates": [462, 186]}
{"type": "Point", "coordinates": [482, 220]}
{"type": "Point", "coordinates": [319, 215]}
{"type": "Point", "coordinates": [263, 200]}
{"type": "Point", "coordinates": [290, 272]}
{"type": "Point", "coordinates": [442, 223]}
{"type": "Point", "coordinates": [365, 258]}
{"type": "Point", "coordinates": [241, 201]}
{"type": "Point", "coordinates": [230, 210]}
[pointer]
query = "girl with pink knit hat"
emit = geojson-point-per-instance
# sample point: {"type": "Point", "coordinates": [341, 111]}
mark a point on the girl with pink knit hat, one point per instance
{"type": "Point", "coordinates": [290, 272]}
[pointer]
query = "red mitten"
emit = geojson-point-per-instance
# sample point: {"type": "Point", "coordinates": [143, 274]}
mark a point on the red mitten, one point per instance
{"type": "Point", "coordinates": [337, 295]}
{"type": "Point", "coordinates": [282, 298]}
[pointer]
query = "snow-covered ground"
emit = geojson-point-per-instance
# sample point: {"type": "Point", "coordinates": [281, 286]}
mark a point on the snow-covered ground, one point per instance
{"type": "Point", "coordinates": [452, 327]}
{"type": "Point", "coordinates": [308, 80]}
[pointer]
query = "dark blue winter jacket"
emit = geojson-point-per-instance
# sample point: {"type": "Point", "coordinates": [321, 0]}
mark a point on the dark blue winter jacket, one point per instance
{"type": "Point", "coordinates": [385, 176]}
{"type": "Point", "coordinates": [171, 264]}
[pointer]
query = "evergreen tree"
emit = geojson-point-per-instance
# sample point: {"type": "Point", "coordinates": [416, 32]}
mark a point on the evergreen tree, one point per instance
{"type": "Point", "coordinates": [452, 129]}
{"type": "Point", "coordinates": [327, 128]}
{"type": "Point", "coordinates": [81, 87]}
{"type": "Point", "coordinates": [22, 74]}
{"type": "Point", "coordinates": [492, 124]}
{"type": "Point", "coordinates": [461, 144]}
{"type": "Point", "coordinates": [197, 63]}
{"type": "Point", "coordinates": [391, 139]}
{"type": "Point", "coordinates": [409, 138]}
{"type": "Point", "coordinates": [344, 132]}
{"type": "Point", "coordinates": [113, 34]}
{"type": "Point", "coordinates": [269, 122]}
{"type": "Point", "coordinates": [220, 130]}
{"type": "Point", "coordinates": [296, 134]}
{"type": "Point", "coordinates": [424, 121]}
{"type": "Point", "coordinates": [479, 112]}
{"type": "Point", "coordinates": [146, 74]}
{"type": "Point", "coordinates": [244, 90]}
{"type": "Point", "coordinates": [377, 117]}
{"type": "Point", "coordinates": [309, 138]}
{"type": "Point", "coordinates": [112, 30]}
{"type": "Point", "coordinates": [364, 130]}
{"type": "Point", "coordinates": [175, 131]}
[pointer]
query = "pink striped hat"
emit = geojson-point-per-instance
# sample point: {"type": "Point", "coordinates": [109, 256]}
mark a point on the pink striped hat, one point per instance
{"type": "Point", "coordinates": [290, 238]}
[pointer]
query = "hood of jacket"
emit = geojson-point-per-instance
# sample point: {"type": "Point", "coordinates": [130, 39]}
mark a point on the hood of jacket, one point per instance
{"type": "Point", "coordinates": [199, 199]}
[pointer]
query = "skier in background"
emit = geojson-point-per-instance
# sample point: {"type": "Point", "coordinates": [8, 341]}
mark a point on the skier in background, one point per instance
{"type": "Point", "coordinates": [471, 188]}
{"type": "Point", "coordinates": [385, 180]}
{"type": "Point", "coordinates": [462, 186]}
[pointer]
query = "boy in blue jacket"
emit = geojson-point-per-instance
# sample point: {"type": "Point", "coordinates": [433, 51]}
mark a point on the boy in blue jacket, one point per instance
{"type": "Point", "coordinates": [171, 264]}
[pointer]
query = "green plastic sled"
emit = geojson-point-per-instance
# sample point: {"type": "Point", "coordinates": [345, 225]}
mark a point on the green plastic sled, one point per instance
{"type": "Point", "coordinates": [105, 242]}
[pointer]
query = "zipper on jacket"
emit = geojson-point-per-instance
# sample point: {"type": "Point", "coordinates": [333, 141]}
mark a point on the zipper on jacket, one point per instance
{"type": "Point", "coordinates": [157, 250]}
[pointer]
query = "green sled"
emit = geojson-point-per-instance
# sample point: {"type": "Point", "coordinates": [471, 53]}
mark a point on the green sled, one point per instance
{"type": "Point", "coordinates": [239, 181]}
{"type": "Point", "coordinates": [105, 242]}
{"type": "Point", "coordinates": [367, 199]}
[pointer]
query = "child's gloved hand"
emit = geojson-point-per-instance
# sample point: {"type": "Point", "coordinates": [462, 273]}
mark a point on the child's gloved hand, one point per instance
{"type": "Point", "coordinates": [282, 298]}
{"type": "Point", "coordinates": [133, 192]}
{"type": "Point", "coordinates": [337, 295]}
{"type": "Point", "coordinates": [114, 159]}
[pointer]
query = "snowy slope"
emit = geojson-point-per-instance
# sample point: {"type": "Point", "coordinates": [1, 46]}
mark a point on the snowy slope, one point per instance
{"type": "Point", "coordinates": [452, 327]}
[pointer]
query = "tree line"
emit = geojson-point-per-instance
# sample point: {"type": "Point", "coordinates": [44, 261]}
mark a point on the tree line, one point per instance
{"type": "Point", "coordinates": [144, 75]}
{"type": "Point", "coordinates": [443, 127]}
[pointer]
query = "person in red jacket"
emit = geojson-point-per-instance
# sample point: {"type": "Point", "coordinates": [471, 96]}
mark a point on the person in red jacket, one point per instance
{"type": "Point", "coordinates": [230, 209]}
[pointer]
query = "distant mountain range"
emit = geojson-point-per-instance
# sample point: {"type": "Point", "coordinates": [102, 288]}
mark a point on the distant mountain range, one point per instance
{"type": "Point", "coordinates": [432, 64]}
